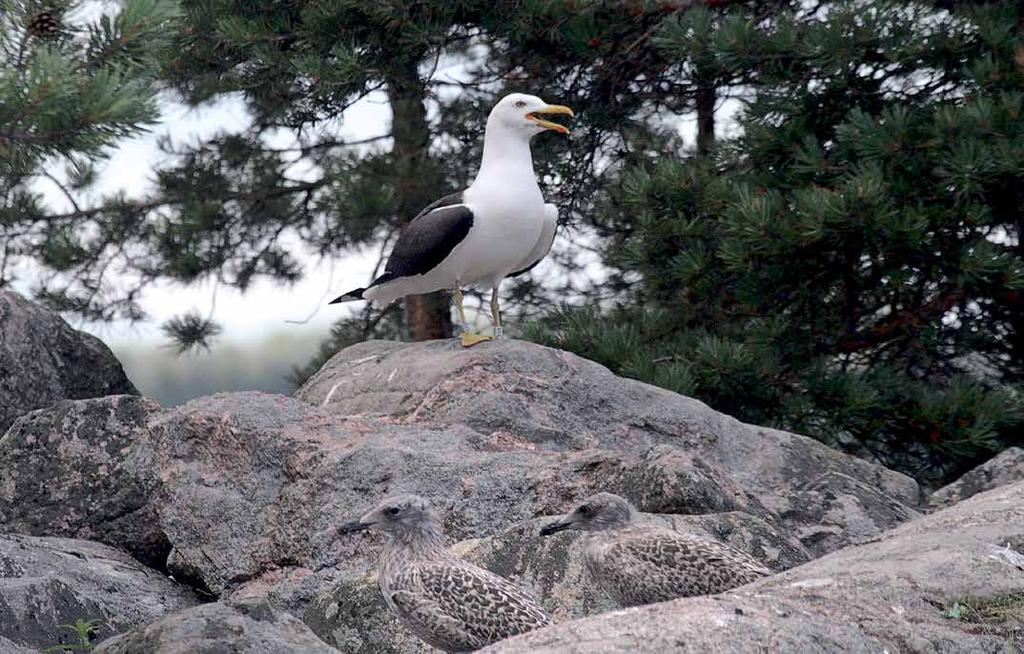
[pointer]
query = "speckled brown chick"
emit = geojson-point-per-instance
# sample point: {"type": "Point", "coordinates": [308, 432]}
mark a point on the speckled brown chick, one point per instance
{"type": "Point", "coordinates": [449, 603]}
{"type": "Point", "coordinates": [642, 564]}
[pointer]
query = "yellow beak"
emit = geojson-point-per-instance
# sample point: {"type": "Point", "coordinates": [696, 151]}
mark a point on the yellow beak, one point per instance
{"type": "Point", "coordinates": [547, 124]}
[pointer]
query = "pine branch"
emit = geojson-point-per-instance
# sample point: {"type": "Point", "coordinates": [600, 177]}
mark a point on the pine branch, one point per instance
{"type": "Point", "coordinates": [149, 205]}
{"type": "Point", "coordinates": [902, 323]}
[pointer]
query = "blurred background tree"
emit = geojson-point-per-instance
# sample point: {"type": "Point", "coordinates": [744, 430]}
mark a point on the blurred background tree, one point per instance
{"type": "Point", "coordinates": [835, 250]}
{"type": "Point", "coordinates": [72, 82]}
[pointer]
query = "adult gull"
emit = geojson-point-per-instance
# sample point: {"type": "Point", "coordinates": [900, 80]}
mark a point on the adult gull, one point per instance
{"type": "Point", "coordinates": [498, 227]}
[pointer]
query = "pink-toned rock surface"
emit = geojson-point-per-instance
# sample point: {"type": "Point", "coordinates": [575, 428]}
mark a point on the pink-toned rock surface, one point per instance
{"type": "Point", "coordinates": [240, 495]}
{"type": "Point", "coordinates": [1004, 468]}
{"type": "Point", "coordinates": [242, 627]}
{"type": "Point", "coordinates": [667, 452]}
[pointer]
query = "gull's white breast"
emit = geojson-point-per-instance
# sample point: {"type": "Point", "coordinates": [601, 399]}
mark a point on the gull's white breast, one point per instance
{"type": "Point", "coordinates": [508, 220]}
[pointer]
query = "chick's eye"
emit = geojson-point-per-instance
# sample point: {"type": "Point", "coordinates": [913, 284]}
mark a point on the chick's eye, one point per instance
{"type": "Point", "coordinates": [520, 103]}
{"type": "Point", "coordinates": [584, 510]}
{"type": "Point", "coordinates": [393, 510]}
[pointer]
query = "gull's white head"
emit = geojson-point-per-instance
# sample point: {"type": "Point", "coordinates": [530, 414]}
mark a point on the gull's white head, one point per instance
{"type": "Point", "coordinates": [521, 114]}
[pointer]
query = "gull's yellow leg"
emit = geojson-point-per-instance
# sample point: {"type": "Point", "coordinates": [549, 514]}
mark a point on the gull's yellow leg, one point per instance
{"type": "Point", "coordinates": [495, 313]}
{"type": "Point", "coordinates": [462, 312]}
{"type": "Point", "coordinates": [469, 338]}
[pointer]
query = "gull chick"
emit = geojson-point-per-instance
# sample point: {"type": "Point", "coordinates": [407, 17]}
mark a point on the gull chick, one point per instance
{"type": "Point", "coordinates": [642, 564]}
{"type": "Point", "coordinates": [450, 603]}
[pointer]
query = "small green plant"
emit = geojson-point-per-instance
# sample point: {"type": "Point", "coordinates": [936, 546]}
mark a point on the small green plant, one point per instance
{"type": "Point", "coordinates": [85, 633]}
{"type": "Point", "coordinates": [957, 611]}
{"type": "Point", "coordinates": [1002, 615]}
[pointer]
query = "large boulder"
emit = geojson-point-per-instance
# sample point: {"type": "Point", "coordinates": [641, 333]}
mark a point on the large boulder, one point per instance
{"type": "Point", "coordinates": [46, 583]}
{"type": "Point", "coordinates": [248, 627]}
{"type": "Point", "coordinates": [43, 360]}
{"type": "Point", "coordinates": [351, 615]}
{"type": "Point", "coordinates": [1004, 468]}
{"type": "Point", "coordinates": [948, 582]}
{"type": "Point", "coordinates": [241, 494]}
{"type": "Point", "coordinates": [83, 469]}
{"type": "Point", "coordinates": [667, 452]}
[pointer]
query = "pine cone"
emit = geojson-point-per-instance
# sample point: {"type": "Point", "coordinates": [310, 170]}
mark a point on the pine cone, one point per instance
{"type": "Point", "coordinates": [45, 24]}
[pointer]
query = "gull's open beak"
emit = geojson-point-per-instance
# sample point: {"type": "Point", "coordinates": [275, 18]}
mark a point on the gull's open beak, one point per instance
{"type": "Point", "coordinates": [352, 527]}
{"type": "Point", "coordinates": [547, 124]}
{"type": "Point", "coordinates": [554, 528]}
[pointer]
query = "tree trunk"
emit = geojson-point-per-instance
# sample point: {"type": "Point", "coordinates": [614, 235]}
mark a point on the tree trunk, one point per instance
{"type": "Point", "coordinates": [417, 184]}
{"type": "Point", "coordinates": [706, 97]}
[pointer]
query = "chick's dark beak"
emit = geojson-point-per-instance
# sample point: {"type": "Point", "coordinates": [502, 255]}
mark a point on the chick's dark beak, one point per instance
{"type": "Point", "coordinates": [554, 528]}
{"type": "Point", "coordinates": [352, 527]}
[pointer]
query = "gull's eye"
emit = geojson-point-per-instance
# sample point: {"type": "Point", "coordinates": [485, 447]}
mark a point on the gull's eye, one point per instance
{"type": "Point", "coordinates": [584, 510]}
{"type": "Point", "coordinates": [393, 510]}
{"type": "Point", "coordinates": [520, 103]}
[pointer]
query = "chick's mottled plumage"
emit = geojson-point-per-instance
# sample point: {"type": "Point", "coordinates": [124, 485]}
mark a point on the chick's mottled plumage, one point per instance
{"type": "Point", "coordinates": [641, 564]}
{"type": "Point", "coordinates": [449, 603]}
{"type": "Point", "coordinates": [457, 606]}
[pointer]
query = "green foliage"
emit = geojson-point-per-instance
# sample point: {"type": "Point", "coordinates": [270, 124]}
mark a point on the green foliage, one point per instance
{"type": "Point", "coordinates": [190, 331]}
{"type": "Point", "coordinates": [849, 265]}
{"type": "Point", "coordinates": [85, 633]}
{"type": "Point", "coordinates": [71, 93]}
{"type": "Point", "coordinates": [1001, 616]}
{"type": "Point", "coordinates": [68, 89]}
{"type": "Point", "coordinates": [233, 208]}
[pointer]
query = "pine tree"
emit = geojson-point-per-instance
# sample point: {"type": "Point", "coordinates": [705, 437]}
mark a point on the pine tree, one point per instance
{"type": "Point", "coordinates": [850, 265]}
{"type": "Point", "coordinates": [325, 57]}
{"type": "Point", "coordinates": [69, 87]}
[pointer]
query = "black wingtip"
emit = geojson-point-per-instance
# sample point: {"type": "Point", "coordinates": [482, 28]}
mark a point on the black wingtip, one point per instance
{"type": "Point", "coordinates": [351, 296]}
